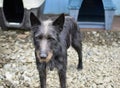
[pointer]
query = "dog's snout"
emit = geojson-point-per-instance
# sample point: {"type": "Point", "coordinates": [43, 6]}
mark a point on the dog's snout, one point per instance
{"type": "Point", "coordinates": [43, 55]}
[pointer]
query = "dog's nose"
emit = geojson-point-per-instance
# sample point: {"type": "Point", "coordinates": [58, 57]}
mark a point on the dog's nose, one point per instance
{"type": "Point", "coordinates": [43, 56]}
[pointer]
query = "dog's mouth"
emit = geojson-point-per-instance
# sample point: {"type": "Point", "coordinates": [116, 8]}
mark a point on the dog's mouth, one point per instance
{"type": "Point", "coordinates": [47, 59]}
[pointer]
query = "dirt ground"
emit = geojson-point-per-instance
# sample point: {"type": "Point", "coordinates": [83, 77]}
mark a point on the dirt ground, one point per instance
{"type": "Point", "coordinates": [101, 60]}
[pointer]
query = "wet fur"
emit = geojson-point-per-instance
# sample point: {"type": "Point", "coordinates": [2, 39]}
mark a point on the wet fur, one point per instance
{"type": "Point", "coordinates": [65, 33]}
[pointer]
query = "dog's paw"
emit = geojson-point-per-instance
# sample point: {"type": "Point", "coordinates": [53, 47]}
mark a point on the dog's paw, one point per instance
{"type": "Point", "coordinates": [79, 67]}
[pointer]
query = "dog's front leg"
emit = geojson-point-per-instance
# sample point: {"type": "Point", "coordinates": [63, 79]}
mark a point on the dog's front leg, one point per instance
{"type": "Point", "coordinates": [62, 78]}
{"type": "Point", "coordinates": [62, 71]}
{"type": "Point", "coordinates": [42, 75]}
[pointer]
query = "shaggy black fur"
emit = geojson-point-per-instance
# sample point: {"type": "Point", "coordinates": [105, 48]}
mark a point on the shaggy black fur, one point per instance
{"type": "Point", "coordinates": [51, 41]}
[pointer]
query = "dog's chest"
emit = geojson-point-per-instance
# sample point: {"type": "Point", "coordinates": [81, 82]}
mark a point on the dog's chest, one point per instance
{"type": "Point", "coordinates": [54, 63]}
{"type": "Point", "coordinates": [51, 65]}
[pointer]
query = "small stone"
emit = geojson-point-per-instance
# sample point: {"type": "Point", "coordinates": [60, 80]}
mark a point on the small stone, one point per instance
{"type": "Point", "coordinates": [27, 60]}
{"type": "Point", "coordinates": [109, 86]}
{"type": "Point", "coordinates": [27, 33]}
{"type": "Point", "coordinates": [101, 86]}
{"type": "Point", "coordinates": [7, 51]}
{"type": "Point", "coordinates": [36, 85]}
{"type": "Point", "coordinates": [107, 79]}
{"type": "Point", "coordinates": [99, 81]}
{"type": "Point", "coordinates": [1, 65]}
{"type": "Point", "coordinates": [8, 84]}
{"type": "Point", "coordinates": [10, 38]}
{"type": "Point", "coordinates": [1, 86]}
{"type": "Point", "coordinates": [94, 32]}
{"type": "Point", "coordinates": [13, 57]}
{"type": "Point", "coordinates": [7, 66]}
{"type": "Point", "coordinates": [22, 36]}
{"type": "Point", "coordinates": [21, 78]}
{"type": "Point", "coordinates": [26, 84]}
{"type": "Point", "coordinates": [17, 82]}
{"type": "Point", "coordinates": [8, 76]}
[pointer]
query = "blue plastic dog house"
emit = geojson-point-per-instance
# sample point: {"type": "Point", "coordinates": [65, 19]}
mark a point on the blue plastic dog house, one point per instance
{"type": "Point", "coordinates": [93, 13]}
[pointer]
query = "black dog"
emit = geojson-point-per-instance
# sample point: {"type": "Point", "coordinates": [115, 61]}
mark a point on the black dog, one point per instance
{"type": "Point", "coordinates": [51, 41]}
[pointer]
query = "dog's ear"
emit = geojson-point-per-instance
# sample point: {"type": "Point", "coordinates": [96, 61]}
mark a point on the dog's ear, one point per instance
{"type": "Point", "coordinates": [34, 20]}
{"type": "Point", "coordinates": [59, 21]}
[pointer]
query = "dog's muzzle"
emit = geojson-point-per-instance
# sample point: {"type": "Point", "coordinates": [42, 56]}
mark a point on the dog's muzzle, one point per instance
{"type": "Point", "coordinates": [44, 57]}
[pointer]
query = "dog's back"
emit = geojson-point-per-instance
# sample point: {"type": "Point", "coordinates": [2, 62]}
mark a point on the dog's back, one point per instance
{"type": "Point", "coordinates": [70, 32]}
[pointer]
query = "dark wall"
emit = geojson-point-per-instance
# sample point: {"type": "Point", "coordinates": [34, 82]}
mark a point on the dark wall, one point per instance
{"type": "Point", "coordinates": [91, 10]}
{"type": "Point", "coordinates": [13, 10]}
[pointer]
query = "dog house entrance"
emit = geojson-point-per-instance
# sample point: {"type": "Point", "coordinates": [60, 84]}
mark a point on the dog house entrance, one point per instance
{"type": "Point", "coordinates": [92, 11]}
{"type": "Point", "coordinates": [13, 10]}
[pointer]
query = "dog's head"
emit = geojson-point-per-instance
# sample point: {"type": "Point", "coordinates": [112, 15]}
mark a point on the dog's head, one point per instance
{"type": "Point", "coordinates": [46, 36]}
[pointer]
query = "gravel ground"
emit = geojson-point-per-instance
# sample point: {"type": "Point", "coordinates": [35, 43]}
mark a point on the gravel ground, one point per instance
{"type": "Point", "coordinates": [101, 62]}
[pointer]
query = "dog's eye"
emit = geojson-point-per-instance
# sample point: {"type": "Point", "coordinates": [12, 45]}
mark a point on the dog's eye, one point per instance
{"type": "Point", "coordinates": [50, 38]}
{"type": "Point", "coordinates": [38, 37]}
